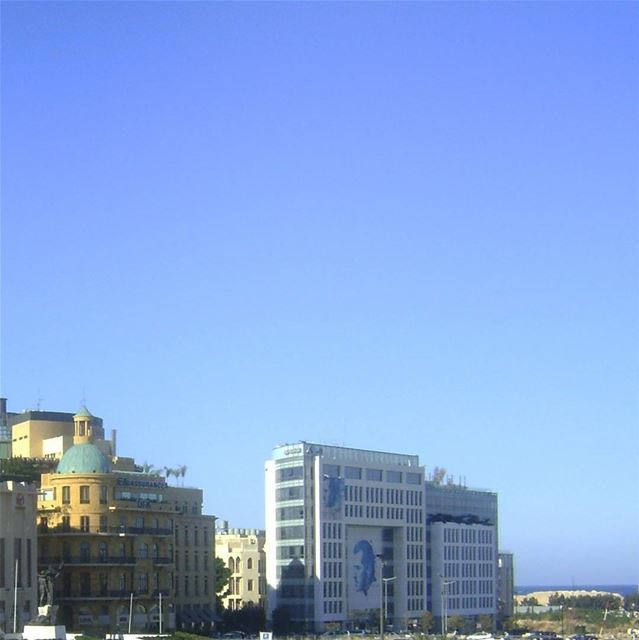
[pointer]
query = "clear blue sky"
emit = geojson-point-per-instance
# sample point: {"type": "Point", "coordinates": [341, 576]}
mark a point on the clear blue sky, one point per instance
{"type": "Point", "coordinates": [400, 226]}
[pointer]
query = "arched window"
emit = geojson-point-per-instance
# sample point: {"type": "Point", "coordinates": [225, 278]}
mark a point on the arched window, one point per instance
{"type": "Point", "coordinates": [143, 550]}
{"type": "Point", "coordinates": [156, 551]}
{"type": "Point", "coordinates": [102, 551]}
{"type": "Point", "coordinates": [249, 563]}
{"type": "Point", "coordinates": [232, 565]}
{"type": "Point", "coordinates": [237, 564]}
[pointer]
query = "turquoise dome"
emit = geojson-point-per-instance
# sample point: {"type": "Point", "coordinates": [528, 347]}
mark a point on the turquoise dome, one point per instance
{"type": "Point", "coordinates": [84, 458]}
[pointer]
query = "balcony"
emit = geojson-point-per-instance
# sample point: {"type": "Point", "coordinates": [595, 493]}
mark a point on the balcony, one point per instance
{"type": "Point", "coordinates": [88, 560]}
{"type": "Point", "coordinates": [101, 594]}
{"type": "Point", "coordinates": [62, 529]}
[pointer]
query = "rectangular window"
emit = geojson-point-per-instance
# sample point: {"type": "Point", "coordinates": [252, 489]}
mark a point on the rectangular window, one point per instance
{"type": "Point", "coordinates": [289, 473]}
{"type": "Point", "coordinates": [84, 494]}
{"type": "Point", "coordinates": [66, 495]}
{"type": "Point", "coordinates": [393, 476]}
{"type": "Point", "coordinates": [104, 494]}
{"type": "Point", "coordinates": [413, 478]}
{"type": "Point", "coordinates": [289, 493]}
{"type": "Point", "coordinates": [249, 584]}
{"type": "Point", "coordinates": [331, 470]}
{"type": "Point", "coordinates": [84, 523]}
{"type": "Point", "coordinates": [374, 474]}
{"type": "Point", "coordinates": [290, 513]}
{"type": "Point", "coordinates": [29, 561]}
{"type": "Point", "coordinates": [353, 473]}
{"type": "Point", "coordinates": [85, 584]}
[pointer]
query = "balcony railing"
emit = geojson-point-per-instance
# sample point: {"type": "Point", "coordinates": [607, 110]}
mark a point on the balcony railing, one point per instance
{"type": "Point", "coordinates": [111, 594]}
{"type": "Point", "coordinates": [118, 531]}
{"type": "Point", "coordinates": [77, 560]}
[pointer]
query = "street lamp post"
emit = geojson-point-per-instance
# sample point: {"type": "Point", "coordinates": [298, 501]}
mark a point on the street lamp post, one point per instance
{"type": "Point", "coordinates": [444, 607]}
{"type": "Point", "coordinates": [385, 582]}
{"type": "Point", "coordinates": [381, 598]}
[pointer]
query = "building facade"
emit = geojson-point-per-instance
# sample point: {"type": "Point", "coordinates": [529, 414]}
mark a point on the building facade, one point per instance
{"type": "Point", "coordinates": [461, 536]}
{"type": "Point", "coordinates": [345, 533]}
{"type": "Point", "coordinates": [242, 551]}
{"type": "Point", "coordinates": [48, 434]}
{"type": "Point", "coordinates": [18, 555]}
{"type": "Point", "coordinates": [118, 535]}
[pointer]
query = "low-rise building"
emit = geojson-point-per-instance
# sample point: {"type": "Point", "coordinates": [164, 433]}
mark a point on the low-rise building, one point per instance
{"type": "Point", "coordinates": [242, 551]}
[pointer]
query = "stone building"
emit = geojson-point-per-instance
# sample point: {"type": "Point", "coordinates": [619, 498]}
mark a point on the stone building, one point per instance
{"type": "Point", "coordinates": [119, 535]}
{"type": "Point", "coordinates": [242, 551]}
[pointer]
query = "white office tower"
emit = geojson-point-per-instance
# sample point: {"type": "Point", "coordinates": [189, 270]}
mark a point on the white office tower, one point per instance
{"type": "Point", "coordinates": [344, 537]}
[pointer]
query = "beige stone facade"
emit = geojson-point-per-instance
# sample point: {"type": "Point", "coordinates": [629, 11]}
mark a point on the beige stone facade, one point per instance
{"type": "Point", "coordinates": [48, 434]}
{"type": "Point", "coordinates": [119, 535]}
{"type": "Point", "coordinates": [242, 551]}
{"type": "Point", "coordinates": [18, 546]}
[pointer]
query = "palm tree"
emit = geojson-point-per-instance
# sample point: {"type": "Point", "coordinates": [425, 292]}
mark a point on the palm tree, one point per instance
{"type": "Point", "coordinates": [181, 471]}
{"type": "Point", "coordinates": [148, 468]}
{"type": "Point", "coordinates": [168, 471]}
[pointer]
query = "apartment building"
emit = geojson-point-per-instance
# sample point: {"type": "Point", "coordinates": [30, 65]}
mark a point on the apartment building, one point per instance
{"type": "Point", "coordinates": [344, 532]}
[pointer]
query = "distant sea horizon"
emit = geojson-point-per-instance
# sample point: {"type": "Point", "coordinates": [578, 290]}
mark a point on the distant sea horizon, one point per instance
{"type": "Point", "coordinates": [623, 589]}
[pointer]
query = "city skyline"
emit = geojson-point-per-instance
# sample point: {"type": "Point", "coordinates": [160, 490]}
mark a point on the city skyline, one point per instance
{"type": "Point", "coordinates": [407, 228]}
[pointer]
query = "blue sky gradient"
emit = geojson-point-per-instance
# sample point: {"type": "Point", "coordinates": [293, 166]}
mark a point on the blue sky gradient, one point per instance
{"type": "Point", "coordinates": [398, 226]}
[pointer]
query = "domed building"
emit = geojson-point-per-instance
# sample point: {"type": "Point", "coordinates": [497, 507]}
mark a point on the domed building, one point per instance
{"type": "Point", "coordinates": [113, 528]}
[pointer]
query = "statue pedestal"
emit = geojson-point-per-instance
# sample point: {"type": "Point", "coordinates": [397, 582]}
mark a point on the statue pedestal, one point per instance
{"type": "Point", "coordinates": [44, 627]}
{"type": "Point", "coordinates": [44, 632]}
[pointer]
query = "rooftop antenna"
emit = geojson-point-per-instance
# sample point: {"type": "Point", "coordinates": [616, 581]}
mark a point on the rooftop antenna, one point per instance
{"type": "Point", "coordinates": [38, 400]}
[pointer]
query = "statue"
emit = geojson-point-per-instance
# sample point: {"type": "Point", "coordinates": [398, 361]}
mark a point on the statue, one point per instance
{"type": "Point", "coordinates": [46, 581]}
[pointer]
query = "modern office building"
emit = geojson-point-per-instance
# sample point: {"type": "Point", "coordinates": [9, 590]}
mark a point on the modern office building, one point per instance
{"type": "Point", "coordinates": [124, 541]}
{"type": "Point", "coordinates": [18, 555]}
{"type": "Point", "coordinates": [461, 537]}
{"type": "Point", "coordinates": [344, 536]}
{"type": "Point", "coordinates": [242, 551]}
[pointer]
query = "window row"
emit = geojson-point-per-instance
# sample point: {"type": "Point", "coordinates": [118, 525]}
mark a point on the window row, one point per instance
{"type": "Point", "coordinates": [235, 564]}
{"type": "Point", "coordinates": [195, 564]}
{"type": "Point", "coordinates": [332, 589]}
{"type": "Point", "coordinates": [332, 530]}
{"type": "Point", "coordinates": [332, 606]}
{"type": "Point", "coordinates": [332, 570]}
{"type": "Point", "coordinates": [374, 475]}
{"type": "Point", "coordinates": [188, 585]}
{"type": "Point", "coordinates": [190, 536]}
